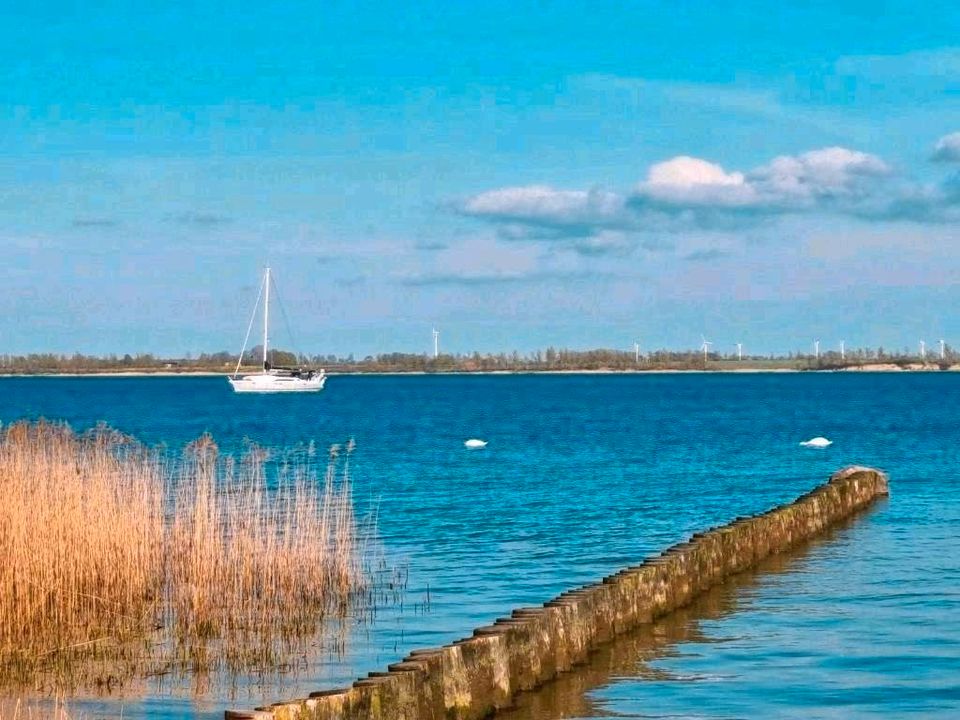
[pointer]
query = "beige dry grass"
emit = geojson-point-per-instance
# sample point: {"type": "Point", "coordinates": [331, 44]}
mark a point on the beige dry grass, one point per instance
{"type": "Point", "coordinates": [119, 562]}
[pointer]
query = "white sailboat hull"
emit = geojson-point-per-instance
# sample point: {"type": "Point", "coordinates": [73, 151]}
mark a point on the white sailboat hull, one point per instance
{"type": "Point", "coordinates": [269, 383]}
{"type": "Point", "coordinates": [273, 379]}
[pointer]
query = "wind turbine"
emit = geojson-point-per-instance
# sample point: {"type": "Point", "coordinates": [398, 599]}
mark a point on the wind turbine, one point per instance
{"type": "Point", "coordinates": [739, 351]}
{"type": "Point", "coordinates": [636, 352]}
{"type": "Point", "coordinates": [923, 350]}
{"type": "Point", "coordinates": [436, 343]}
{"type": "Point", "coordinates": [705, 347]}
{"type": "Point", "coordinates": [943, 349]}
{"type": "Point", "coordinates": [843, 350]}
{"type": "Point", "coordinates": [816, 348]}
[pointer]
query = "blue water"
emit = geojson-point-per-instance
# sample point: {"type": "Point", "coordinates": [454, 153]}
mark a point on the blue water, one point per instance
{"type": "Point", "coordinates": [584, 474]}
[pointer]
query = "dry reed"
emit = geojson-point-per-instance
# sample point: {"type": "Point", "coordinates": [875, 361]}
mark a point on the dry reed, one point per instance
{"type": "Point", "coordinates": [118, 561]}
{"type": "Point", "coordinates": [54, 709]}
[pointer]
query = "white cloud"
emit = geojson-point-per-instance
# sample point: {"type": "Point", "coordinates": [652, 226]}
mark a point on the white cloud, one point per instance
{"type": "Point", "coordinates": [686, 192]}
{"type": "Point", "coordinates": [686, 171]}
{"type": "Point", "coordinates": [787, 183]}
{"type": "Point", "coordinates": [947, 148]}
{"type": "Point", "coordinates": [685, 180]}
{"type": "Point", "coordinates": [832, 172]}
{"type": "Point", "coordinates": [544, 205]}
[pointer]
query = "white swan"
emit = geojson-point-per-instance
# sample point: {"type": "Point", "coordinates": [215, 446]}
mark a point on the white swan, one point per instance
{"type": "Point", "coordinates": [817, 442]}
{"type": "Point", "coordinates": [474, 444]}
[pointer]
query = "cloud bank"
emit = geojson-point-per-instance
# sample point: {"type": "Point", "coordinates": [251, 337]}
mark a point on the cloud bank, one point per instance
{"type": "Point", "coordinates": [685, 193]}
{"type": "Point", "coordinates": [833, 178]}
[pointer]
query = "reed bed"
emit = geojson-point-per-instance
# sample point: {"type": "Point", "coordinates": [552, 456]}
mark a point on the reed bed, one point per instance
{"type": "Point", "coordinates": [55, 709]}
{"type": "Point", "coordinates": [119, 561]}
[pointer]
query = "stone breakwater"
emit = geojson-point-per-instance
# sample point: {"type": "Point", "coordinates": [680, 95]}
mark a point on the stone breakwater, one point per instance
{"type": "Point", "coordinates": [476, 676]}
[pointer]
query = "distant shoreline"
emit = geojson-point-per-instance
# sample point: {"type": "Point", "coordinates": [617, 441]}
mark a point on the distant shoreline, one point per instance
{"type": "Point", "coordinates": [120, 373]}
{"type": "Point", "coordinates": [873, 367]}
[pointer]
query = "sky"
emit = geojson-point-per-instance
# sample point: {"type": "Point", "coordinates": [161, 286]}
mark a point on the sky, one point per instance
{"type": "Point", "coordinates": [517, 174]}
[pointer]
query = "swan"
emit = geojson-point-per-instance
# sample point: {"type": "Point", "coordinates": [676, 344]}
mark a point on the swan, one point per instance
{"type": "Point", "coordinates": [817, 442]}
{"type": "Point", "coordinates": [473, 443]}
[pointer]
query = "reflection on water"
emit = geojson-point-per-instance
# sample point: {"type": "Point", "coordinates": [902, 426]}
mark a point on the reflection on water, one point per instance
{"type": "Point", "coordinates": [861, 624]}
{"type": "Point", "coordinates": [636, 655]}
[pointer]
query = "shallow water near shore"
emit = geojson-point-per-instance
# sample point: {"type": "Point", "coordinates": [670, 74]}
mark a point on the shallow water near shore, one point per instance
{"type": "Point", "coordinates": [586, 474]}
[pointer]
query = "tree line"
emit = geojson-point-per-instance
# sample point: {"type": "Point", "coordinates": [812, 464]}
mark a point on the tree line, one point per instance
{"type": "Point", "coordinates": [551, 359]}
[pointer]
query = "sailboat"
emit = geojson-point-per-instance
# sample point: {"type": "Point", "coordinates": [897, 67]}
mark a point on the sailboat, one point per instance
{"type": "Point", "coordinates": [273, 379]}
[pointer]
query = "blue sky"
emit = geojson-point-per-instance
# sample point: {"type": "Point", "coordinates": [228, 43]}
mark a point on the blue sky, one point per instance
{"type": "Point", "coordinates": [517, 174]}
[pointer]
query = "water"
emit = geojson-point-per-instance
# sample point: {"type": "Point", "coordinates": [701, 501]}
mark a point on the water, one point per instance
{"type": "Point", "coordinates": [584, 474]}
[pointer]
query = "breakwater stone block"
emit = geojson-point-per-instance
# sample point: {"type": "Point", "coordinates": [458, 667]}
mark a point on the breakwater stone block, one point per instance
{"type": "Point", "coordinates": [474, 677]}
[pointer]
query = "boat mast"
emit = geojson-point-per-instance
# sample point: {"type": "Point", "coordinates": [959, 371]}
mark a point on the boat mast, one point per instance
{"type": "Point", "coordinates": [266, 314]}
